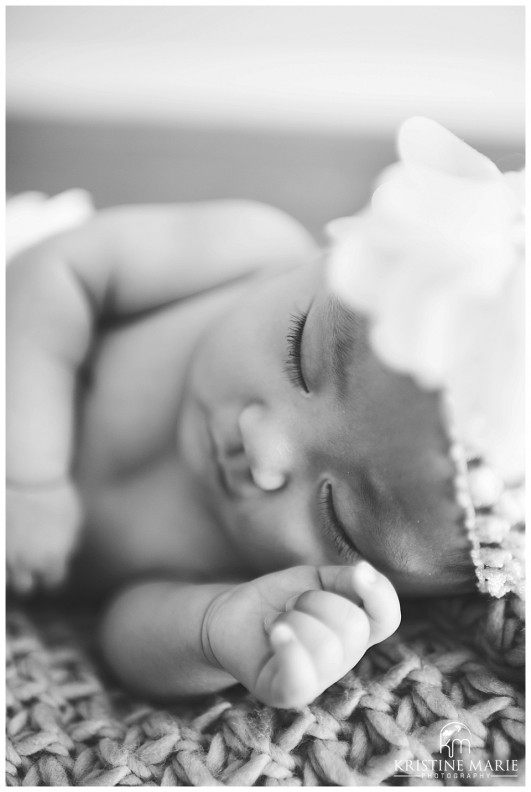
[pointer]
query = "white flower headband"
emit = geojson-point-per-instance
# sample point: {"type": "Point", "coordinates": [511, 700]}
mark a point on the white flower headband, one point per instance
{"type": "Point", "coordinates": [437, 263]}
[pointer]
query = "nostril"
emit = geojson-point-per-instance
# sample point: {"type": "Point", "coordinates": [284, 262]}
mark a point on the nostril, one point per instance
{"type": "Point", "coordinates": [234, 449]}
{"type": "Point", "coordinates": [227, 435]}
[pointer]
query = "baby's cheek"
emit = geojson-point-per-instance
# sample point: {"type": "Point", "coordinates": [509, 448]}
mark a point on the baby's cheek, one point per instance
{"type": "Point", "coordinates": [274, 536]}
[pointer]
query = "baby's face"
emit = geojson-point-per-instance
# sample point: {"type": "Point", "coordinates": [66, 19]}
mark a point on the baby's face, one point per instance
{"type": "Point", "coordinates": [308, 450]}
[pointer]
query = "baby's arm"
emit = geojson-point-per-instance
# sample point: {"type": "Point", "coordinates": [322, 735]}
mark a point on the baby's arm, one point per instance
{"type": "Point", "coordinates": [286, 636]}
{"type": "Point", "coordinates": [123, 261]}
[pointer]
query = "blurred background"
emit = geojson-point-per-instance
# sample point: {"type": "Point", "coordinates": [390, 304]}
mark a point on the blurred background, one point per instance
{"type": "Point", "coordinates": [296, 105]}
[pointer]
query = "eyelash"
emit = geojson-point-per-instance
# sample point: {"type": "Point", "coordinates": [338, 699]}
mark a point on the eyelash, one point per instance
{"type": "Point", "coordinates": [293, 364]}
{"type": "Point", "coordinates": [333, 528]}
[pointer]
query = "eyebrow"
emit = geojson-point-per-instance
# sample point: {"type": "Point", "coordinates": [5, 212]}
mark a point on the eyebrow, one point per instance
{"type": "Point", "coordinates": [342, 332]}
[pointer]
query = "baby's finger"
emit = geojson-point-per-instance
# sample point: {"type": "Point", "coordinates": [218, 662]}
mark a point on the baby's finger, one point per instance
{"type": "Point", "coordinates": [366, 586]}
{"type": "Point", "coordinates": [380, 601]}
{"type": "Point", "coordinates": [333, 649]}
{"type": "Point", "coordinates": [348, 621]}
{"type": "Point", "coordinates": [296, 678]}
{"type": "Point", "coordinates": [288, 678]}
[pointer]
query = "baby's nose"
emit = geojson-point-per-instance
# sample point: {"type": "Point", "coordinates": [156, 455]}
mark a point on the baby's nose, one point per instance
{"type": "Point", "coordinates": [267, 447]}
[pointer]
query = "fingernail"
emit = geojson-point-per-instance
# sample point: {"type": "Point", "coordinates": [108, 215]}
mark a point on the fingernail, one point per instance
{"type": "Point", "coordinates": [365, 573]}
{"type": "Point", "coordinates": [281, 635]}
{"type": "Point", "coordinates": [290, 604]}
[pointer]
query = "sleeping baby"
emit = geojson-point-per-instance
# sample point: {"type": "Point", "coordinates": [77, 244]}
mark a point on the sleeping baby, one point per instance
{"type": "Point", "coordinates": [200, 431]}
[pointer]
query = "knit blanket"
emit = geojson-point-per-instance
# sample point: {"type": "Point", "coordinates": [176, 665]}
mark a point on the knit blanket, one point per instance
{"type": "Point", "coordinates": [454, 661]}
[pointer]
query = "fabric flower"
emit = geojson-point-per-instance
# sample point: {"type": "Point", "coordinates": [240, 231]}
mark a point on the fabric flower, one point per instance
{"type": "Point", "coordinates": [437, 263]}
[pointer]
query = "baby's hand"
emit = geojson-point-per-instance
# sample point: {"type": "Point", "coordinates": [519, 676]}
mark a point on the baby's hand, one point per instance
{"type": "Point", "coordinates": [42, 528]}
{"type": "Point", "coordinates": [289, 635]}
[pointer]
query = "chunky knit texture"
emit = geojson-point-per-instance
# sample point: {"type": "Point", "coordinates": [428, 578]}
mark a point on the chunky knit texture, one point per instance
{"type": "Point", "coordinates": [70, 725]}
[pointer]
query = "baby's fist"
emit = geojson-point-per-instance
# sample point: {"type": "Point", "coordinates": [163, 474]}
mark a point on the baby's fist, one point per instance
{"type": "Point", "coordinates": [42, 529]}
{"type": "Point", "coordinates": [289, 635]}
{"type": "Point", "coordinates": [324, 632]}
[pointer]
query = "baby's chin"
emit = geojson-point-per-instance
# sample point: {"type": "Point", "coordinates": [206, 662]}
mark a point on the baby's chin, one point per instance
{"type": "Point", "coordinates": [430, 587]}
{"type": "Point", "coordinates": [446, 570]}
